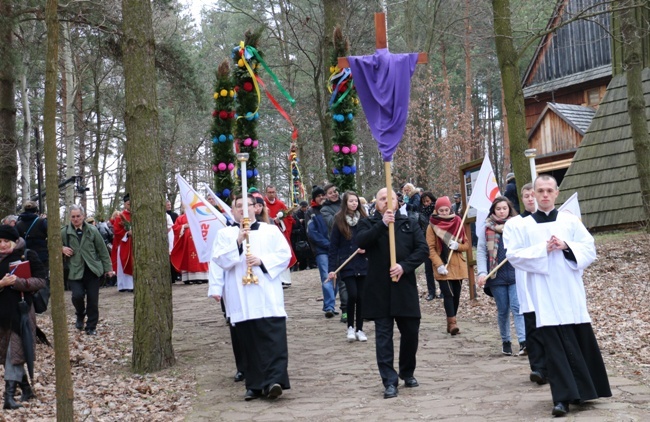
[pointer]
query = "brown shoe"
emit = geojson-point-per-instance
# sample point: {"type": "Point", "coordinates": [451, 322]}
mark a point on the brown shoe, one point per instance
{"type": "Point", "coordinates": [453, 328]}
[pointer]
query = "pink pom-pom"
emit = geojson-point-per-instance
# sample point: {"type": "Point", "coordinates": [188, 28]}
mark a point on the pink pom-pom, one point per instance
{"type": "Point", "coordinates": [231, 166]}
{"type": "Point", "coordinates": [256, 143]}
{"type": "Point", "coordinates": [345, 150]}
{"type": "Point", "coordinates": [214, 168]}
{"type": "Point", "coordinates": [248, 142]}
{"type": "Point", "coordinates": [353, 149]}
{"type": "Point", "coordinates": [222, 166]}
{"type": "Point", "coordinates": [336, 148]}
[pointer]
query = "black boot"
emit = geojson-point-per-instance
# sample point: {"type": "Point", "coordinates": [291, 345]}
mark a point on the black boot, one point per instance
{"type": "Point", "coordinates": [27, 394]}
{"type": "Point", "coordinates": [10, 391]}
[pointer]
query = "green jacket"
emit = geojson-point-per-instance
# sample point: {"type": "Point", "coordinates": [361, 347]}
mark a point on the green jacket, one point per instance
{"type": "Point", "coordinates": [91, 250]}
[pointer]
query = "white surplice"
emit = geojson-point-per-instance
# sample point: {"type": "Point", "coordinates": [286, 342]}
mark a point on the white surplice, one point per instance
{"type": "Point", "coordinates": [525, 301]}
{"type": "Point", "coordinates": [553, 283]}
{"type": "Point", "coordinates": [252, 301]}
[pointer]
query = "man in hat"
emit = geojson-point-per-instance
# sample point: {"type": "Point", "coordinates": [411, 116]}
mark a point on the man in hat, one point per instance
{"type": "Point", "coordinates": [511, 191]}
{"type": "Point", "coordinates": [320, 242]}
{"type": "Point", "coordinates": [457, 207]}
{"type": "Point", "coordinates": [122, 252]}
{"type": "Point", "coordinates": [33, 229]}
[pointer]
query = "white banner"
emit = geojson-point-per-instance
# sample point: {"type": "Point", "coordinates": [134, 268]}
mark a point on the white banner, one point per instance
{"type": "Point", "coordinates": [486, 188]}
{"type": "Point", "coordinates": [204, 220]}
{"type": "Point", "coordinates": [572, 206]}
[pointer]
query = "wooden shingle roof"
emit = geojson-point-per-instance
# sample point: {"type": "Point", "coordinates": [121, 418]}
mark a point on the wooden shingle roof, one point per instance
{"type": "Point", "coordinates": [577, 116]}
{"type": "Point", "coordinates": [603, 170]}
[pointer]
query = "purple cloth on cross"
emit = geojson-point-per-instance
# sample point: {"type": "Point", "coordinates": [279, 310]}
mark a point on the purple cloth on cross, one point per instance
{"type": "Point", "coordinates": [383, 82]}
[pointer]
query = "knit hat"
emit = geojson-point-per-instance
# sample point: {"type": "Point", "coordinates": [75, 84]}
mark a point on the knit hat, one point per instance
{"type": "Point", "coordinates": [510, 176]}
{"type": "Point", "coordinates": [8, 233]}
{"type": "Point", "coordinates": [317, 191]}
{"type": "Point", "coordinates": [126, 198]}
{"type": "Point", "coordinates": [304, 203]}
{"type": "Point", "coordinates": [443, 201]}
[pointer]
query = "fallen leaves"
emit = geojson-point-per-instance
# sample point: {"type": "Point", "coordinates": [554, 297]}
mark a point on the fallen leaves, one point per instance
{"type": "Point", "coordinates": [104, 387]}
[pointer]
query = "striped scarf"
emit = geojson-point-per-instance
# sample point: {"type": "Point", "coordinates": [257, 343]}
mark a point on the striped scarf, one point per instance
{"type": "Point", "coordinates": [493, 231]}
{"type": "Point", "coordinates": [446, 228]}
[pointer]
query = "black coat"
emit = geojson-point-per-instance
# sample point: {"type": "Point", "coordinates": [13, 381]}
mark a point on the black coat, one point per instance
{"type": "Point", "coordinates": [341, 249]}
{"type": "Point", "coordinates": [382, 297]}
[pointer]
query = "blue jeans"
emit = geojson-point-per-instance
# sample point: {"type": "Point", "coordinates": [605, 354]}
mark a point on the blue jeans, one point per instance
{"type": "Point", "coordinates": [329, 291]}
{"type": "Point", "coordinates": [506, 301]}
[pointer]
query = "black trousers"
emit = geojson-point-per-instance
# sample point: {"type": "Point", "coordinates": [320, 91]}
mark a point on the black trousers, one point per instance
{"type": "Point", "coordinates": [576, 370]}
{"type": "Point", "coordinates": [534, 345]}
{"type": "Point", "coordinates": [408, 346]}
{"type": "Point", "coordinates": [354, 286]}
{"type": "Point", "coordinates": [431, 281]}
{"type": "Point", "coordinates": [234, 340]}
{"type": "Point", "coordinates": [85, 298]}
{"type": "Point", "coordinates": [263, 343]}
{"type": "Point", "coordinates": [450, 290]}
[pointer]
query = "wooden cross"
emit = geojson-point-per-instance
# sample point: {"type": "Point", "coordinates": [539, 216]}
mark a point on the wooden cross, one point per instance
{"type": "Point", "coordinates": [381, 43]}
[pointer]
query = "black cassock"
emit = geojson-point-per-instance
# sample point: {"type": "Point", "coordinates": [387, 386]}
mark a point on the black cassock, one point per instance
{"type": "Point", "coordinates": [576, 371]}
{"type": "Point", "coordinates": [263, 344]}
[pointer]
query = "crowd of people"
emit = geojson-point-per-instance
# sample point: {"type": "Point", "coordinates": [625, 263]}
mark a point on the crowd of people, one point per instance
{"type": "Point", "coordinates": [531, 264]}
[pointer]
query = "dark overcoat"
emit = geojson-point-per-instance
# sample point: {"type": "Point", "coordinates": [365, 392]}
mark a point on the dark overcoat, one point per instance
{"type": "Point", "coordinates": [382, 297]}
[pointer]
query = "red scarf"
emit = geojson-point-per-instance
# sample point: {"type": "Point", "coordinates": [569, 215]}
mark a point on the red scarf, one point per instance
{"type": "Point", "coordinates": [446, 228]}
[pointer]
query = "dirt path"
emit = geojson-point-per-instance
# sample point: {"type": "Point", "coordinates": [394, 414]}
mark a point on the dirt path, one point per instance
{"type": "Point", "coordinates": [461, 378]}
{"type": "Point", "coordinates": [465, 376]}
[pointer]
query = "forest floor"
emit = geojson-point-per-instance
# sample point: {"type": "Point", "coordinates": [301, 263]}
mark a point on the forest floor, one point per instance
{"type": "Point", "coordinates": [461, 378]}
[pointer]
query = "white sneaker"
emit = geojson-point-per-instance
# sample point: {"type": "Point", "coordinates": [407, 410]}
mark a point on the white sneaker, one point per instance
{"type": "Point", "coordinates": [351, 336]}
{"type": "Point", "coordinates": [361, 336]}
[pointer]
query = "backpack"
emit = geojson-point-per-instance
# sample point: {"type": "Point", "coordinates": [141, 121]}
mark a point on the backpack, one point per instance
{"type": "Point", "coordinates": [40, 298]}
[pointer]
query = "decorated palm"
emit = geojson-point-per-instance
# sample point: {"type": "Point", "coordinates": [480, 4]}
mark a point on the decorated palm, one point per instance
{"type": "Point", "coordinates": [224, 160]}
{"type": "Point", "coordinates": [343, 106]}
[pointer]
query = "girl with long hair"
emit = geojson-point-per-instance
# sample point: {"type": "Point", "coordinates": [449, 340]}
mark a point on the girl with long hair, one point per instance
{"type": "Point", "coordinates": [443, 226]}
{"type": "Point", "coordinates": [343, 244]}
{"type": "Point", "coordinates": [490, 253]}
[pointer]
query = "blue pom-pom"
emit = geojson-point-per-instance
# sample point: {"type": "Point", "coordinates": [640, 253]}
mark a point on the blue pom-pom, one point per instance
{"type": "Point", "coordinates": [226, 193]}
{"type": "Point", "coordinates": [353, 169]}
{"type": "Point", "coordinates": [350, 116]}
{"type": "Point", "coordinates": [215, 140]}
{"type": "Point", "coordinates": [255, 173]}
{"type": "Point", "coordinates": [239, 172]}
{"type": "Point", "coordinates": [346, 170]}
{"type": "Point", "coordinates": [249, 173]}
{"type": "Point", "coordinates": [335, 171]}
{"type": "Point", "coordinates": [250, 116]}
{"type": "Point", "coordinates": [230, 137]}
{"type": "Point", "coordinates": [257, 116]}
{"type": "Point", "coordinates": [294, 172]}
{"type": "Point", "coordinates": [222, 138]}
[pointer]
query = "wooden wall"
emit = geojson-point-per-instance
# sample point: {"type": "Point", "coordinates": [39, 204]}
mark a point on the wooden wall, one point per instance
{"type": "Point", "coordinates": [554, 135]}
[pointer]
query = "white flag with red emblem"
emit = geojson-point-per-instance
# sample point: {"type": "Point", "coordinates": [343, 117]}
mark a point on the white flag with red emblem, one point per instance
{"type": "Point", "coordinates": [572, 206]}
{"type": "Point", "coordinates": [485, 188]}
{"type": "Point", "coordinates": [203, 219]}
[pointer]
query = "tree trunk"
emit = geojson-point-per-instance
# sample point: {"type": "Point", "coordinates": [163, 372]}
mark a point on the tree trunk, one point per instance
{"type": "Point", "coordinates": [513, 96]}
{"type": "Point", "coordinates": [25, 150]}
{"type": "Point", "coordinates": [68, 116]}
{"type": "Point", "coordinates": [153, 323]}
{"type": "Point", "coordinates": [64, 388]}
{"type": "Point", "coordinates": [8, 140]}
{"type": "Point", "coordinates": [636, 106]}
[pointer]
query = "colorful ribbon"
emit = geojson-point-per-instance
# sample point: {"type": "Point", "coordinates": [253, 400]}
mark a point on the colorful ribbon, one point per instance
{"type": "Point", "coordinates": [253, 51]}
{"type": "Point", "coordinates": [294, 133]}
{"type": "Point", "coordinates": [245, 59]}
{"type": "Point", "coordinates": [343, 76]}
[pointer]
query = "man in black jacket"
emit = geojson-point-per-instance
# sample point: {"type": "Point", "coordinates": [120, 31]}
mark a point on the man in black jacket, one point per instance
{"type": "Point", "coordinates": [33, 229]}
{"type": "Point", "coordinates": [390, 302]}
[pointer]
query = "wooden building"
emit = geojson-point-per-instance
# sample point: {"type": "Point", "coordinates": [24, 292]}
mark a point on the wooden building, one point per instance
{"type": "Point", "coordinates": [603, 171]}
{"type": "Point", "coordinates": [565, 82]}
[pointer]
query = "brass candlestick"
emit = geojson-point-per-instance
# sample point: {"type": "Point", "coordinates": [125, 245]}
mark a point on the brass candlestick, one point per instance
{"type": "Point", "coordinates": [249, 278]}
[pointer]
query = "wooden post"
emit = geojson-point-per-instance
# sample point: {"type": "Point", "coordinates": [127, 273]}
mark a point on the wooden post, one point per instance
{"type": "Point", "coordinates": [389, 205]}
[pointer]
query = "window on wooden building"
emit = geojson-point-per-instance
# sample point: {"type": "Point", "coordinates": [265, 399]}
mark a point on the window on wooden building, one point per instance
{"type": "Point", "coordinates": [592, 97]}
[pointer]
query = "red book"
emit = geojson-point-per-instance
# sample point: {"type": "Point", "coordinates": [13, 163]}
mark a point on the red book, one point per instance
{"type": "Point", "coordinates": [20, 269]}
